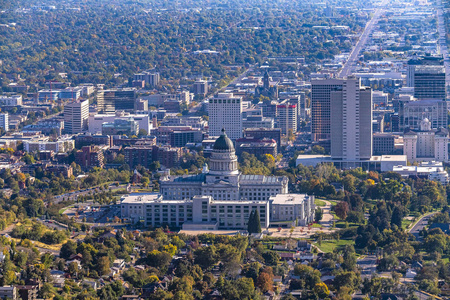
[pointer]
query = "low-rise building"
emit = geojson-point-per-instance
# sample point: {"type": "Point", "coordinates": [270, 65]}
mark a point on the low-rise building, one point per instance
{"type": "Point", "coordinates": [256, 147]}
{"type": "Point", "coordinates": [62, 144]}
{"type": "Point", "coordinates": [96, 139]}
{"type": "Point", "coordinates": [13, 100]}
{"type": "Point", "coordinates": [96, 121]}
{"type": "Point", "coordinates": [8, 292]}
{"type": "Point", "coordinates": [258, 121]}
{"type": "Point", "coordinates": [426, 170]}
{"type": "Point", "coordinates": [4, 121]}
{"type": "Point", "coordinates": [261, 133]}
{"type": "Point", "coordinates": [386, 144]}
{"type": "Point", "coordinates": [48, 126]}
{"type": "Point", "coordinates": [27, 292]}
{"type": "Point", "coordinates": [71, 93]}
{"type": "Point", "coordinates": [56, 169]}
{"type": "Point", "coordinates": [124, 141]}
{"type": "Point", "coordinates": [90, 156]}
{"type": "Point", "coordinates": [121, 127]}
{"type": "Point", "coordinates": [48, 95]}
{"type": "Point", "coordinates": [205, 213]}
{"type": "Point", "coordinates": [291, 207]}
{"type": "Point", "coordinates": [182, 137]}
{"type": "Point", "coordinates": [202, 212]}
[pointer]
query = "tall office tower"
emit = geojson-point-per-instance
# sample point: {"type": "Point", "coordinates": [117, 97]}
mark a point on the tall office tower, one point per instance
{"type": "Point", "coordinates": [116, 99]}
{"type": "Point", "coordinates": [200, 87]}
{"type": "Point", "coordinates": [321, 107]}
{"type": "Point", "coordinates": [225, 111]}
{"type": "Point", "coordinates": [429, 82]}
{"type": "Point", "coordinates": [76, 117]}
{"type": "Point", "coordinates": [428, 60]}
{"type": "Point", "coordinates": [4, 121]}
{"type": "Point", "coordinates": [287, 117]}
{"type": "Point", "coordinates": [351, 121]}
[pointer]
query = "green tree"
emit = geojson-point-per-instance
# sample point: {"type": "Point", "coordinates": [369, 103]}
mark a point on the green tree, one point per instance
{"type": "Point", "coordinates": [103, 265]}
{"type": "Point", "coordinates": [318, 214]}
{"type": "Point", "coordinates": [271, 258]}
{"type": "Point", "coordinates": [254, 223]}
{"type": "Point", "coordinates": [206, 256]}
{"type": "Point", "coordinates": [68, 249]}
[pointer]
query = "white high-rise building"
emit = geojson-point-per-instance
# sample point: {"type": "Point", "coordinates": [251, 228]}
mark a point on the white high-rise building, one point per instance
{"type": "Point", "coordinates": [351, 121]}
{"type": "Point", "coordinates": [76, 117]}
{"type": "Point", "coordinates": [225, 111]}
{"type": "Point", "coordinates": [426, 144]}
{"type": "Point", "coordinates": [4, 121]}
{"type": "Point", "coordinates": [287, 117]}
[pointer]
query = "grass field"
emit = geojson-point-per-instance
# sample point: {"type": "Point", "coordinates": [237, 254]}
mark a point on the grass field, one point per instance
{"type": "Point", "coordinates": [56, 247]}
{"type": "Point", "coordinates": [319, 202]}
{"type": "Point", "coordinates": [316, 225]}
{"type": "Point", "coordinates": [330, 245]}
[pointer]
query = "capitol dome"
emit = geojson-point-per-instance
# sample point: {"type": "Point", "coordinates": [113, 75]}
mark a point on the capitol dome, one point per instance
{"type": "Point", "coordinates": [223, 161]}
{"type": "Point", "coordinates": [223, 143]}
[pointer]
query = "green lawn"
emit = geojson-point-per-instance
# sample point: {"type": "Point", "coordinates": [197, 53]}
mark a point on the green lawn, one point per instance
{"type": "Point", "coordinates": [333, 202]}
{"type": "Point", "coordinates": [406, 223]}
{"type": "Point", "coordinates": [341, 224]}
{"type": "Point", "coordinates": [318, 202]}
{"type": "Point", "coordinates": [330, 245]}
{"type": "Point", "coordinates": [316, 225]}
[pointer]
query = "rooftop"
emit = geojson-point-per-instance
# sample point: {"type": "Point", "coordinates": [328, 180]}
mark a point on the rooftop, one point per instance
{"type": "Point", "coordinates": [289, 198]}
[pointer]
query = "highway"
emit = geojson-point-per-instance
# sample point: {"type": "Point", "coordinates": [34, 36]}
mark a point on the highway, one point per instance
{"type": "Point", "coordinates": [350, 64]}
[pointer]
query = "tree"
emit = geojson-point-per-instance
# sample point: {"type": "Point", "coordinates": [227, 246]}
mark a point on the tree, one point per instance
{"type": "Point", "coordinates": [397, 217]}
{"type": "Point", "coordinates": [264, 282]}
{"type": "Point", "coordinates": [349, 183]}
{"type": "Point", "coordinates": [145, 181]}
{"type": "Point", "coordinates": [158, 259]}
{"type": "Point", "coordinates": [341, 209]}
{"type": "Point", "coordinates": [318, 214]}
{"type": "Point", "coordinates": [206, 256]}
{"type": "Point", "coordinates": [388, 263]}
{"type": "Point", "coordinates": [47, 291]}
{"type": "Point", "coordinates": [254, 223]}
{"type": "Point", "coordinates": [307, 275]}
{"type": "Point", "coordinates": [68, 249]}
{"type": "Point", "coordinates": [271, 258]}
{"type": "Point", "coordinates": [349, 258]}
{"type": "Point", "coordinates": [348, 279]}
{"type": "Point", "coordinates": [321, 290]}
{"type": "Point", "coordinates": [103, 265]}
{"type": "Point", "coordinates": [436, 243]}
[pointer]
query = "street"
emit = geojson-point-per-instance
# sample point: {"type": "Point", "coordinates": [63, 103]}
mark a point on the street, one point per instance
{"type": "Point", "coordinates": [368, 265]}
{"type": "Point", "coordinates": [443, 40]}
{"type": "Point", "coordinates": [75, 194]}
{"type": "Point", "coordinates": [420, 225]}
{"type": "Point", "coordinates": [350, 64]}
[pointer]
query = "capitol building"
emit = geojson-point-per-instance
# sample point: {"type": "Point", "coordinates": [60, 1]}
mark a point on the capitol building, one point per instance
{"type": "Point", "coordinates": [218, 198]}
